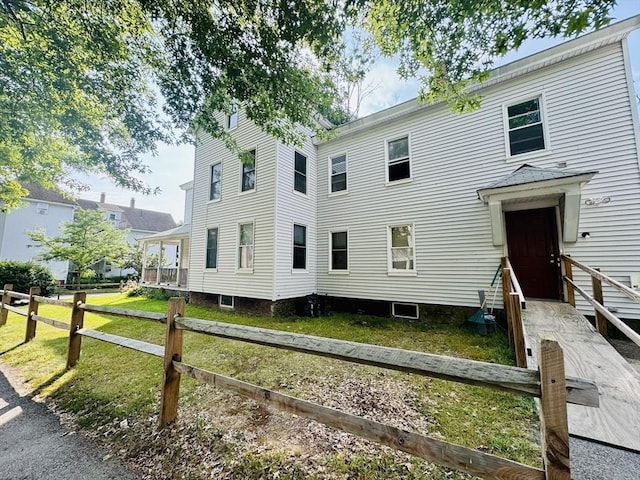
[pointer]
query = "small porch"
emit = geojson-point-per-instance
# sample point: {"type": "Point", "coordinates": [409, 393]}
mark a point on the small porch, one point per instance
{"type": "Point", "coordinates": [165, 259]}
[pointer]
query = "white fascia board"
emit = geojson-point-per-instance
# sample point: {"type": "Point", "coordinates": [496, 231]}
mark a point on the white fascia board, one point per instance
{"type": "Point", "coordinates": [572, 48]}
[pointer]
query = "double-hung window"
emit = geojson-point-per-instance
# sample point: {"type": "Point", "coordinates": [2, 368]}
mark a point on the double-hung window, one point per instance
{"type": "Point", "coordinates": [215, 181]}
{"type": "Point", "coordinates": [245, 246]}
{"type": "Point", "coordinates": [232, 120]}
{"type": "Point", "coordinates": [300, 173]}
{"type": "Point", "coordinates": [401, 249]}
{"type": "Point", "coordinates": [299, 247]}
{"type": "Point", "coordinates": [525, 127]}
{"type": "Point", "coordinates": [339, 251]}
{"type": "Point", "coordinates": [338, 173]}
{"type": "Point", "coordinates": [398, 159]}
{"type": "Point", "coordinates": [249, 171]}
{"type": "Point", "coordinates": [212, 248]}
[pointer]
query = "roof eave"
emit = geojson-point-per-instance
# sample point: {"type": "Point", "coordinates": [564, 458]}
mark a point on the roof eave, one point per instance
{"type": "Point", "coordinates": [485, 193]}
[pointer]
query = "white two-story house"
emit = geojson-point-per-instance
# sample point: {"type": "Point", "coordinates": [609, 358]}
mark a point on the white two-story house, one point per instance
{"type": "Point", "coordinates": [412, 208]}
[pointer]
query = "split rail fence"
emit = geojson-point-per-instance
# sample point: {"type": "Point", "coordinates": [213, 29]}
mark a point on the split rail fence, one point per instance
{"type": "Point", "coordinates": [549, 383]}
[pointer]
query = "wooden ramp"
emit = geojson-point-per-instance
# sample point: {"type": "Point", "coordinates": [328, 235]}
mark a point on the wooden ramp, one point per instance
{"type": "Point", "coordinates": [587, 354]}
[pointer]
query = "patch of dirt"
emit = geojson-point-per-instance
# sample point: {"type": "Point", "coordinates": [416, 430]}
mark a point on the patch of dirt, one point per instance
{"type": "Point", "coordinates": [215, 430]}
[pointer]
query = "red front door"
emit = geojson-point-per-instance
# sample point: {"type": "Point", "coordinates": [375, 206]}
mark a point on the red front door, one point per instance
{"type": "Point", "coordinates": [532, 239]}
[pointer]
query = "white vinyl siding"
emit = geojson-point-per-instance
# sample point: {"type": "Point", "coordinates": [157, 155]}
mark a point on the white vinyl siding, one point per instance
{"type": "Point", "coordinates": [294, 208]}
{"type": "Point", "coordinates": [589, 121]}
{"type": "Point", "coordinates": [226, 214]}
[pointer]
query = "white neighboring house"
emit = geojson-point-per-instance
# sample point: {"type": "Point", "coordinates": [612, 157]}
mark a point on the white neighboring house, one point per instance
{"type": "Point", "coordinates": [138, 222]}
{"type": "Point", "coordinates": [43, 210]}
{"type": "Point", "coordinates": [414, 206]}
{"type": "Point", "coordinates": [175, 274]}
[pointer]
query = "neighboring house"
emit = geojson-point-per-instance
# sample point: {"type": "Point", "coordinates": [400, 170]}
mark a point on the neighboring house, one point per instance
{"type": "Point", "coordinates": [43, 210]}
{"type": "Point", "coordinates": [138, 222]}
{"type": "Point", "coordinates": [174, 275]}
{"type": "Point", "coordinates": [414, 206]}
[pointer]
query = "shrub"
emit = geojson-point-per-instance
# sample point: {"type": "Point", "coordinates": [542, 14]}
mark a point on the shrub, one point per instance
{"type": "Point", "coordinates": [25, 274]}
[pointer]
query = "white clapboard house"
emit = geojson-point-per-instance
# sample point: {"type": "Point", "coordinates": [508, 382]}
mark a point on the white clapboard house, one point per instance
{"type": "Point", "coordinates": [414, 206]}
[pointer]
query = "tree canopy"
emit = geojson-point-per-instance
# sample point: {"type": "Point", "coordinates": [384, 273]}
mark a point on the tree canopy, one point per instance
{"type": "Point", "coordinates": [89, 239]}
{"type": "Point", "coordinates": [83, 84]}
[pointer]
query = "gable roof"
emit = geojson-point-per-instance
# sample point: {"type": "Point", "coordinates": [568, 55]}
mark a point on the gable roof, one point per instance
{"type": "Point", "coordinates": [134, 218]}
{"type": "Point", "coordinates": [36, 192]}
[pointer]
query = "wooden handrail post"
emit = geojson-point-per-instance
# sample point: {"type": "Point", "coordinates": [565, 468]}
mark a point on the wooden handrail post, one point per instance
{"type": "Point", "coordinates": [77, 322]}
{"type": "Point", "coordinates": [506, 299]}
{"type": "Point", "coordinates": [6, 299]}
{"type": "Point", "coordinates": [568, 271]}
{"type": "Point", "coordinates": [601, 321]}
{"type": "Point", "coordinates": [33, 310]}
{"type": "Point", "coordinates": [518, 331]}
{"type": "Point", "coordinates": [553, 411]}
{"type": "Point", "coordinates": [172, 351]}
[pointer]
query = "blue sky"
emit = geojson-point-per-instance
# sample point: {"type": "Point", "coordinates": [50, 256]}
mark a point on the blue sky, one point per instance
{"type": "Point", "coordinates": [173, 166]}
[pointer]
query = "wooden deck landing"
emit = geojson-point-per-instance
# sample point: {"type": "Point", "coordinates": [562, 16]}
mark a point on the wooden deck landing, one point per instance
{"type": "Point", "coordinates": [587, 354]}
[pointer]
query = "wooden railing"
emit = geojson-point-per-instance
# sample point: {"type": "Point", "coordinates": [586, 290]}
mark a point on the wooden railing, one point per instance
{"type": "Point", "coordinates": [514, 303]}
{"type": "Point", "coordinates": [549, 383]}
{"type": "Point", "coordinates": [168, 275]}
{"type": "Point", "coordinates": [596, 299]}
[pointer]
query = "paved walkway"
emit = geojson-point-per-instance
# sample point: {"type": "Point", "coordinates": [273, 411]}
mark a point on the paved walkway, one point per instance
{"type": "Point", "coordinates": [33, 444]}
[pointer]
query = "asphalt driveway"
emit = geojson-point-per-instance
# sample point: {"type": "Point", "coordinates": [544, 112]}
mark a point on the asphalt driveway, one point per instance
{"type": "Point", "coordinates": [33, 444]}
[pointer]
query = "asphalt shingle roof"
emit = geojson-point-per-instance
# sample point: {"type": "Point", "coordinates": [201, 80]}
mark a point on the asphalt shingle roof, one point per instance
{"type": "Point", "coordinates": [36, 192]}
{"type": "Point", "coordinates": [529, 174]}
{"type": "Point", "coordinates": [135, 218]}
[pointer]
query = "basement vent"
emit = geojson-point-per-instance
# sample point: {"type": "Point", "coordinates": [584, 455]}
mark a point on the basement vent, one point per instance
{"type": "Point", "coordinates": [226, 301]}
{"type": "Point", "coordinates": [405, 310]}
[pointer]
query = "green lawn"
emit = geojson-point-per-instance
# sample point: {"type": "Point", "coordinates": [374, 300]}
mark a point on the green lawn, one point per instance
{"type": "Point", "coordinates": [113, 394]}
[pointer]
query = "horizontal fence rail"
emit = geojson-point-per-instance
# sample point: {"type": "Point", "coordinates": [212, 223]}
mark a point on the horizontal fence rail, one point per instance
{"type": "Point", "coordinates": [52, 301]}
{"type": "Point", "coordinates": [124, 312]}
{"type": "Point", "coordinates": [549, 383]}
{"type": "Point", "coordinates": [498, 377]}
{"type": "Point", "coordinates": [431, 449]}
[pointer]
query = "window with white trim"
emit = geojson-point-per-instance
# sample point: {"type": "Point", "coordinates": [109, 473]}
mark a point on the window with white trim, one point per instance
{"type": "Point", "coordinates": [232, 120]}
{"type": "Point", "coordinates": [226, 301]}
{"type": "Point", "coordinates": [215, 182]}
{"type": "Point", "coordinates": [299, 247]}
{"type": "Point", "coordinates": [525, 127]}
{"type": "Point", "coordinates": [338, 173]}
{"type": "Point", "coordinates": [398, 159]}
{"type": "Point", "coordinates": [405, 310]}
{"type": "Point", "coordinates": [249, 171]}
{"type": "Point", "coordinates": [245, 246]}
{"type": "Point", "coordinates": [339, 251]}
{"type": "Point", "coordinates": [300, 173]}
{"type": "Point", "coordinates": [401, 248]}
{"type": "Point", "coordinates": [212, 248]}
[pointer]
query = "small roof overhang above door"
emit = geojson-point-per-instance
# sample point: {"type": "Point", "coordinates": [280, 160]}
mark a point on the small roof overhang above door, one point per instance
{"type": "Point", "coordinates": [530, 185]}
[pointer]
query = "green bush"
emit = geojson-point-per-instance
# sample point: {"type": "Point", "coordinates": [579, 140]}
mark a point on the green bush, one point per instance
{"type": "Point", "coordinates": [25, 274]}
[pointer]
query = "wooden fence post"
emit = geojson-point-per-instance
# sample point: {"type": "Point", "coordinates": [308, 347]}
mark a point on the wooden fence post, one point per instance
{"type": "Point", "coordinates": [553, 411]}
{"type": "Point", "coordinates": [33, 310]}
{"type": "Point", "coordinates": [77, 322]}
{"type": "Point", "coordinates": [601, 321]}
{"type": "Point", "coordinates": [172, 351]}
{"type": "Point", "coordinates": [568, 271]}
{"type": "Point", "coordinates": [518, 331]}
{"type": "Point", "coordinates": [6, 300]}
{"type": "Point", "coordinates": [506, 299]}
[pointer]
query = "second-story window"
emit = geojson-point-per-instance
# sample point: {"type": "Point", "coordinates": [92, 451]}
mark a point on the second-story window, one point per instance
{"type": "Point", "coordinates": [398, 159]}
{"type": "Point", "coordinates": [525, 127]}
{"type": "Point", "coordinates": [300, 173]}
{"type": "Point", "coordinates": [216, 181]}
{"type": "Point", "coordinates": [338, 173]}
{"type": "Point", "coordinates": [232, 120]}
{"type": "Point", "coordinates": [249, 171]}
